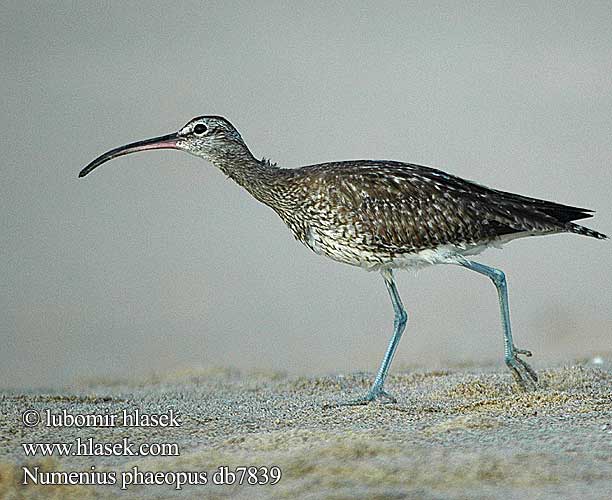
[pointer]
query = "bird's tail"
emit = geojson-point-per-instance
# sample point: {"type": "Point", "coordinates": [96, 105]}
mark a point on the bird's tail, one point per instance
{"type": "Point", "coordinates": [585, 231]}
{"type": "Point", "coordinates": [565, 215]}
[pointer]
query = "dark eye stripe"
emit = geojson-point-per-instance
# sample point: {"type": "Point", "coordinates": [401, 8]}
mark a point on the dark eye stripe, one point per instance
{"type": "Point", "coordinates": [200, 129]}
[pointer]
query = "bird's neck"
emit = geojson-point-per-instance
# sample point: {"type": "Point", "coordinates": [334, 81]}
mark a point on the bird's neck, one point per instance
{"type": "Point", "coordinates": [258, 177]}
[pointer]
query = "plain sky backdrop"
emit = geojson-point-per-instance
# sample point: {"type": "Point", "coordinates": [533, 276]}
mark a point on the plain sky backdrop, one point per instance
{"type": "Point", "coordinates": [157, 262]}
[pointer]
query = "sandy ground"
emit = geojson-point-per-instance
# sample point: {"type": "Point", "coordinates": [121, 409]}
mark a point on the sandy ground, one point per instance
{"type": "Point", "coordinates": [463, 433]}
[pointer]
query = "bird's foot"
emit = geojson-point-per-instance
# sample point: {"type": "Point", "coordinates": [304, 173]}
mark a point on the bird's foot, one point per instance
{"type": "Point", "coordinates": [524, 375]}
{"type": "Point", "coordinates": [375, 393]}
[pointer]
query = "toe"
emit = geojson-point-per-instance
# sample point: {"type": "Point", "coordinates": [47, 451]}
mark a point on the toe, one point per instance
{"type": "Point", "coordinates": [524, 352]}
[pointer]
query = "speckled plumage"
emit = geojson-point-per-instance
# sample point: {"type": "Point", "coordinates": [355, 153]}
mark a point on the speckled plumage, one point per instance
{"type": "Point", "coordinates": [380, 215]}
{"type": "Point", "coordinates": [385, 214]}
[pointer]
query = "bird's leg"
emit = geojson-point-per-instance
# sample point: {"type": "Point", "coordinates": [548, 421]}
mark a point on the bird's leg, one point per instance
{"type": "Point", "coordinates": [522, 372]}
{"type": "Point", "coordinates": [399, 324]}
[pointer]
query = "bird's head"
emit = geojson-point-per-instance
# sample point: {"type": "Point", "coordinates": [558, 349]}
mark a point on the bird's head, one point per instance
{"type": "Point", "coordinates": [209, 137]}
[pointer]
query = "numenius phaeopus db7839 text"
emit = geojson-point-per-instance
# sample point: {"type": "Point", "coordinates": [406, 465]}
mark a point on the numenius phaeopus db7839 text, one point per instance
{"type": "Point", "coordinates": [380, 215]}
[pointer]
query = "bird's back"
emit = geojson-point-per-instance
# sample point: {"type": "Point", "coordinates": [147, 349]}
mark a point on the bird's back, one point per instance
{"type": "Point", "coordinates": [370, 212]}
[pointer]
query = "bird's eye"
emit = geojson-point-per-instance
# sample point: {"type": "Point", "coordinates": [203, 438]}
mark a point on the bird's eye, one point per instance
{"type": "Point", "coordinates": [200, 129]}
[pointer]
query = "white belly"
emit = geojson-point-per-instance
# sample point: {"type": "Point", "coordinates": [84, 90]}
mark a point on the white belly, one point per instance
{"type": "Point", "coordinates": [353, 255]}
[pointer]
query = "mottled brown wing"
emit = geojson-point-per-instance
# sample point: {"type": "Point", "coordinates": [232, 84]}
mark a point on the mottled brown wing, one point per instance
{"type": "Point", "coordinates": [401, 207]}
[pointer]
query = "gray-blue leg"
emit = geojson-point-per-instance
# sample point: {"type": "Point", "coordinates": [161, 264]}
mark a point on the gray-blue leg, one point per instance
{"type": "Point", "coordinates": [399, 324]}
{"type": "Point", "coordinates": [523, 373]}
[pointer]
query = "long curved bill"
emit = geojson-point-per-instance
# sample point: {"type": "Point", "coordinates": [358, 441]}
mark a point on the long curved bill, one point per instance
{"type": "Point", "coordinates": [164, 142]}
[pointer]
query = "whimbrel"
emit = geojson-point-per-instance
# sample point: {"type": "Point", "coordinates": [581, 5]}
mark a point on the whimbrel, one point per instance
{"type": "Point", "coordinates": [380, 215]}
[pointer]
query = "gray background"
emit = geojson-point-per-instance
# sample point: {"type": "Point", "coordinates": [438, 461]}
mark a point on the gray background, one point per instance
{"type": "Point", "coordinates": [156, 262]}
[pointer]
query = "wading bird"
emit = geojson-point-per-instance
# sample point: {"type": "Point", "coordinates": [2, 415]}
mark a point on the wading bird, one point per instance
{"type": "Point", "coordinates": [380, 215]}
